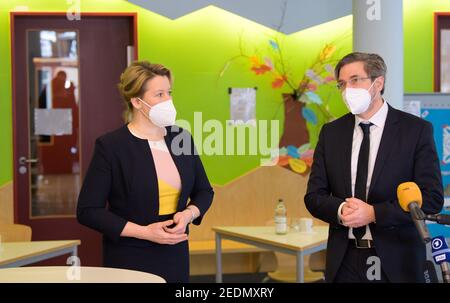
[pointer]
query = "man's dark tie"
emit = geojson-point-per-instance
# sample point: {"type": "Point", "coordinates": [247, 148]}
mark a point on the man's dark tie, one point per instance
{"type": "Point", "coordinates": [361, 173]}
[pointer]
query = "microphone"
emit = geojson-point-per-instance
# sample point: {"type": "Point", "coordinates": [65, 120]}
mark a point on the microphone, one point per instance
{"type": "Point", "coordinates": [410, 200]}
{"type": "Point", "coordinates": [429, 272]}
{"type": "Point", "coordinates": [439, 218]}
{"type": "Point", "coordinates": [441, 256]}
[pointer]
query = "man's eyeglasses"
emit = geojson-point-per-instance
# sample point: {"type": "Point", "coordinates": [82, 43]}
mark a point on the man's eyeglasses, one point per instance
{"type": "Point", "coordinates": [341, 84]}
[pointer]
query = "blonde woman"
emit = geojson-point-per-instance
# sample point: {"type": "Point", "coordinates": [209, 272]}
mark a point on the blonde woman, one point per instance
{"type": "Point", "coordinates": [154, 185]}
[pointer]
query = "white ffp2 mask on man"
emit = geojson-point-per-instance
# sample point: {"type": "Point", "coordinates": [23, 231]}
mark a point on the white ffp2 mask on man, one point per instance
{"type": "Point", "coordinates": [357, 99]}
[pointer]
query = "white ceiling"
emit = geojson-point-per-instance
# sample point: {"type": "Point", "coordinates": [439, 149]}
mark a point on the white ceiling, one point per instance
{"type": "Point", "coordinates": [298, 14]}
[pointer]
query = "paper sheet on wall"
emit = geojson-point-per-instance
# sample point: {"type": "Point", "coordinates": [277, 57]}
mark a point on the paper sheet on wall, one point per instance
{"type": "Point", "coordinates": [242, 106]}
{"type": "Point", "coordinates": [413, 107]}
{"type": "Point", "coordinates": [53, 122]}
{"type": "Point", "coordinates": [445, 60]}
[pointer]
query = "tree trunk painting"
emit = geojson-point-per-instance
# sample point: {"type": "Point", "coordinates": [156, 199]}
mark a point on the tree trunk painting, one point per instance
{"type": "Point", "coordinates": [295, 153]}
{"type": "Point", "coordinates": [295, 132]}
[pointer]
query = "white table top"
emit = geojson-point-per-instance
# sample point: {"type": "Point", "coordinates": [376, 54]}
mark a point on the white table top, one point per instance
{"type": "Point", "coordinates": [16, 251]}
{"type": "Point", "coordinates": [69, 274]}
{"type": "Point", "coordinates": [293, 240]}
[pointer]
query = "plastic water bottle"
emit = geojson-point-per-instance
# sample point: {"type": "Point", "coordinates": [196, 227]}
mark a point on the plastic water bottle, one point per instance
{"type": "Point", "coordinates": [281, 226]}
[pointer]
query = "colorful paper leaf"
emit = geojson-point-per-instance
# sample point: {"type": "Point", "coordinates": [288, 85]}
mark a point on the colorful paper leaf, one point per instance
{"type": "Point", "coordinates": [313, 97]}
{"type": "Point", "coordinates": [307, 154]}
{"type": "Point", "coordinates": [283, 151]}
{"type": "Point", "coordinates": [283, 160]}
{"type": "Point", "coordinates": [268, 62]}
{"type": "Point", "coordinates": [309, 115]}
{"type": "Point", "coordinates": [303, 148]}
{"type": "Point", "coordinates": [308, 161]}
{"type": "Point", "coordinates": [255, 60]}
{"type": "Point", "coordinates": [313, 76]}
{"type": "Point", "coordinates": [261, 69]}
{"type": "Point", "coordinates": [329, 68]}
{"type": "Point", "coordinates": [311, 87]}
{"type": "Point", "coordinates": [298, 166]}
{"type": "Point", "coordinates": [327, 51]}
{"type": "Point", "coordinates": [292, 151]}
{"type": "Point", "coordinates": [279, 82]}
{"type": "Point", "coordinates": [329, 79]}
{"type": "Point", "coordinates": [274, 45]}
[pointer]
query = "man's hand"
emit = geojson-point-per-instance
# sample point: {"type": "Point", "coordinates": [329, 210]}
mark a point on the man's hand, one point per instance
{"type": "Point", "coordinates": [357, 213]}
{"type": "Point", "coordinates": [348, 209]}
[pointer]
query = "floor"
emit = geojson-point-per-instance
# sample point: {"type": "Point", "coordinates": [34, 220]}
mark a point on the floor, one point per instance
{"type": "Point", "coordinates": [230, 278]}
{"type": "Point", "coordinates": [236, 278]}
{"type": "Point", "coordinates": [54, 195]}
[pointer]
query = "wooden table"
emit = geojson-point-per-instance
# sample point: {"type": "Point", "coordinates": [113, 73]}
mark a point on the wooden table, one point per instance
{"type": "Point", "coordinates": [299, 244]}
{"type": "Point", "coordinates": [75, 274]}
{"type": "Point", "coordinates": [14, 254]}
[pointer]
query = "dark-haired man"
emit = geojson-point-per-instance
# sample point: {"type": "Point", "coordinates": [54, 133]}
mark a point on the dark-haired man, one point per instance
{"type": "Point", "coordinates": [359, 161]}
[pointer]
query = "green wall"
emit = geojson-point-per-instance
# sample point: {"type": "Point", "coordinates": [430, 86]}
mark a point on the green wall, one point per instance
{"type": "Point", "coordinates": [197, 85]}
{"type": "Point", "coordinates": [418, 16]}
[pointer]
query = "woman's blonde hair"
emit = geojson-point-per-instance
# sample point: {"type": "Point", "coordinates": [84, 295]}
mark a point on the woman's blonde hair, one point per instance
{"type": "Point", "coordinates": [133, 80]}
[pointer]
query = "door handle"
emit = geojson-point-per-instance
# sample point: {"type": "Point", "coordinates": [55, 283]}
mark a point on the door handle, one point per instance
{"type": "Point", "coordinates": [24, 160]}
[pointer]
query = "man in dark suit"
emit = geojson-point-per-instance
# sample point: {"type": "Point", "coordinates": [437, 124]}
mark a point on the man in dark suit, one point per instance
{"type": "Point", "coordinates": [359, 161]}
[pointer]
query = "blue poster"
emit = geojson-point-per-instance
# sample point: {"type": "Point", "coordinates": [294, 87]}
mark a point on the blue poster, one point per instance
{"type": "Point", "coordinates": [440, 118]}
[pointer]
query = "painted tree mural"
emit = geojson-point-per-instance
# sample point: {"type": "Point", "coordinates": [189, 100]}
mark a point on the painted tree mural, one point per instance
{"type": "Point", "coordinates": [305, 102]}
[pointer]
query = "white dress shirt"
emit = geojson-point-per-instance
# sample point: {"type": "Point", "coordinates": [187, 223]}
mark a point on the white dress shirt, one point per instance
{"type": "Point", "coordinates": [376, 131]}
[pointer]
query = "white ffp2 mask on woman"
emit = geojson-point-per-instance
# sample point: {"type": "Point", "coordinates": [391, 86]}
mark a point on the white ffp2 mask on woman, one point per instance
{"type": "Point", "coordinates": [162, 114]}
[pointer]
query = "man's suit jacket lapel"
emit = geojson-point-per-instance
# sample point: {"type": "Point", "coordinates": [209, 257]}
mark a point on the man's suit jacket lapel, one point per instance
{"type": "Point", "coordinates": [349, 126]}
{"type": "Point", "coordinates": [388, 140]}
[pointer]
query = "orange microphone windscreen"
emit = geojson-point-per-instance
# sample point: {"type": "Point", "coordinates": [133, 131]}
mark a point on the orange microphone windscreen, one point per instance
{"type": "Point", "coordinates": [408, 192]}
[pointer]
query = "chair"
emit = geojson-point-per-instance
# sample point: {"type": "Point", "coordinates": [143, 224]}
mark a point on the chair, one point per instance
{"type": "Point", "coordinates": [314, 268]}
{"type": "Point", "coordinates": [317, 261]}
{"type": "Point", "coordinates": [15, 233]}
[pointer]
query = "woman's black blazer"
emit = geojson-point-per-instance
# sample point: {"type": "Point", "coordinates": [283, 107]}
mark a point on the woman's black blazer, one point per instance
{"type": "Point", "coordinates": [122, 176]}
